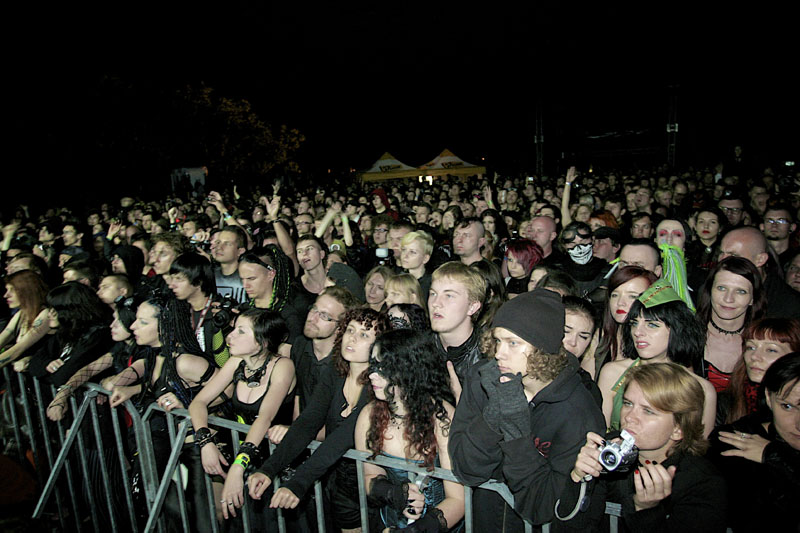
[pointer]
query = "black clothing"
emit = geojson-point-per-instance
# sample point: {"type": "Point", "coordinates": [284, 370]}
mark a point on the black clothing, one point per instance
{"type": "Point", "coordinates": [697, 502]}
{"type": "Point", "coordinates": [425, 283]}
{"type": "Point", "coordinates": [761, 496]}
{"type": "Point", "coordinates": [95, 343]}
{"type": "Point", "coordinates": [248, 412]}
{"type": "Point", "coordinates": [295, 310]}
{"type": "Point", "coordinates": [307, 368]}
{"type": "Point", "coordinates": [324, 409]}
{"type": "Point", "coordinates": [555, 260]}
{"type": "Point", "coordinates": [535, 467]}
{"type": "Point", "coordinates": [587, 277]}
{"type": "Point", "coordinates": [518, 285]}
{"type": "Point", "coordinates": [465, 356]}
{"type": "Point", "coordinates": [782, 300]}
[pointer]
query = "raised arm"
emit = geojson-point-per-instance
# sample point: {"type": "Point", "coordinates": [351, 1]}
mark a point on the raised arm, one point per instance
{"type": "Point", "coordinates": [326, 221]}
{"type": "Point", "coordinates": [284, 239]}
{"type": "Point", "coordinates": [347, 234]}
{"type": "Point", "coordinates": [566, 217]}
{"type": "Point", "coordinates": [9, 230]}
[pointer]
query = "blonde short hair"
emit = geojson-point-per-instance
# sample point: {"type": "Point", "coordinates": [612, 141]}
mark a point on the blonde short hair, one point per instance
{"type": "Point", "coordinates": [472, 280]}
{"type": "Point", "coordinates": [422, 236]}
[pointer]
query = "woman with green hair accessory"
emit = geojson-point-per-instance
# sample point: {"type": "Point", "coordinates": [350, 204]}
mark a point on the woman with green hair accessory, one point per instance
{"type": "Point", "coordinates": [659, 328]}
{"type": "Point", "coordinates": [671, 236]}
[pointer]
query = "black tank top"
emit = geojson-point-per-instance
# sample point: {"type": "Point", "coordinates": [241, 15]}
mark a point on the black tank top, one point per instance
{"type": "Point", "coordinates": [248, 412]}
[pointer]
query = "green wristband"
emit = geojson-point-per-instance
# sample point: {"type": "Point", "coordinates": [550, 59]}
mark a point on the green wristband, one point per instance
{"type": "Point", "coordinates": [242, 459]}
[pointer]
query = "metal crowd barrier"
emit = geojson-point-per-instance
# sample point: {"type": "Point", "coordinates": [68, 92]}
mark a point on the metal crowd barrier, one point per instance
{"type": "Point", "coordinates": [33, 424]}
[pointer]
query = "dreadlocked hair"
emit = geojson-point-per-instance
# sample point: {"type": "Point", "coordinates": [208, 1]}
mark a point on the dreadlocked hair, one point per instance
{"type": "Point", "coordinates": [416, 377]}
{"type": "Point", "coordinates": [283, 281]}
{"type": "Point", "coordinates": [176, 337]}
{"type": "Point", "coordinates": [273, 258]}
{"type": "Point", "coordinates": [368, 318]}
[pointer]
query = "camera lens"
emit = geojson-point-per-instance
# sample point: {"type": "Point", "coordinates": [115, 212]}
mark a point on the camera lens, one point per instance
{"type": "Point", "coordinates": [608, 458]}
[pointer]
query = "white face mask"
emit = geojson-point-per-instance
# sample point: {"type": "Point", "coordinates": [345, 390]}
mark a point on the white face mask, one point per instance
{"type": "Point", "coordinates": [581, 254]}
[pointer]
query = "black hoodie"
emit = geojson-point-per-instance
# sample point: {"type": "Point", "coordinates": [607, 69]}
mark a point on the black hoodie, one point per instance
{"type": "Point", "coordinates": [535, 467]}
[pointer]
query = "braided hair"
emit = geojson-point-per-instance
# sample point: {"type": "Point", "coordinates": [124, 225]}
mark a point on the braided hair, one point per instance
{"type": "Point", "coordinates": [176, 337]}
{"type": "Point", "coordinates": [272, 257]}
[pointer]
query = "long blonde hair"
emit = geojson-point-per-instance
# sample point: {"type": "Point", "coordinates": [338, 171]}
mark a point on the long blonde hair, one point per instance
{"type": "Point", "coordinates": [408, 284]}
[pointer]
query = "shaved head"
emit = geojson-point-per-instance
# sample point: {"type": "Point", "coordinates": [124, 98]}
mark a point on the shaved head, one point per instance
{"type": "Point", "coordinates": [542, 231]}
{"type": "Point", "coordinates": [747, 243]}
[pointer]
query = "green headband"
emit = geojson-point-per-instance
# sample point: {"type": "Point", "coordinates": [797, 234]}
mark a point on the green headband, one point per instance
{"type": "Point", "coordinates": [660, 292]}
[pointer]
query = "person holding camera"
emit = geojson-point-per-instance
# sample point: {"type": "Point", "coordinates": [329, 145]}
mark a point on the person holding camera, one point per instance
{"type": "Point", "coordinates": [669, 486]}
{"type": "Point", "coordinates": [191, 279]}
{"type": "Point", "coordinates": [522, 415]}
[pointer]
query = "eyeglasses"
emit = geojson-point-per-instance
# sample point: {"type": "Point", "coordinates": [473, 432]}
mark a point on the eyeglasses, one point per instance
{"type": "Point", "coordinates": [380, 230]}
{"type": "Point", "coordinates": [781, 221]}
{"type": "Point", "coordinates": [322, 314]}
{"type": "Point", "coordinates": [731, 209]}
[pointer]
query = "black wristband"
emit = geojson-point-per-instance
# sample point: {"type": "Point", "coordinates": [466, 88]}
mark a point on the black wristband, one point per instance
{"type": "Point", "coordinates": [252, 450]}
{"type": "Point", "coordinates": [433, 522]}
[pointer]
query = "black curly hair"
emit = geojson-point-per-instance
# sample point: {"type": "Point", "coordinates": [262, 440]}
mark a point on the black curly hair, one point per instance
{"type": "Point", "coordinates": [367, 317]}
{"type": "Point", "coordinates": [410, 362]}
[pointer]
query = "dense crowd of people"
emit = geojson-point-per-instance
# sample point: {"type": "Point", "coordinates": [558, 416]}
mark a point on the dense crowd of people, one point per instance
{"type": "Point", "coordinates": [607, 337]}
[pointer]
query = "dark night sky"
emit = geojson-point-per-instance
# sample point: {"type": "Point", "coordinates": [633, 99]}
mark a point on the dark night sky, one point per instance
{"type": "Point", "coordinates": [362, 79]}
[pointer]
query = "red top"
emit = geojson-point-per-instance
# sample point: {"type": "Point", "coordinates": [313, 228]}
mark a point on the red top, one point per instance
{"type": "Point", "coordinates": [717, 377]}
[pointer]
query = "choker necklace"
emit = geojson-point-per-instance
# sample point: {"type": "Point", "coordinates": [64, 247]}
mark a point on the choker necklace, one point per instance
{"type": "Point", "coordinates": [725, 331]}
{"type": "Point", "coordinates": [255, 380]}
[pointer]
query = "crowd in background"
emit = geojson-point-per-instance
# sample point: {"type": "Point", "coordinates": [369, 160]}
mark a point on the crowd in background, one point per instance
{"type": "Point", "coordinates": [504, 328]}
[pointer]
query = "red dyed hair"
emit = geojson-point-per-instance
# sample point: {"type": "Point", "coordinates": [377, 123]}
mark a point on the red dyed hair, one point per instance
{"type": "Point", "coordinates": [526, 252]}
{"type": "Point", "coordinates": [785, 330]}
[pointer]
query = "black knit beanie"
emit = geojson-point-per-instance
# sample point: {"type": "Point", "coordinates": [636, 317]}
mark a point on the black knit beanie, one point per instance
{"type": "Point", "coordinates": [537, 317]}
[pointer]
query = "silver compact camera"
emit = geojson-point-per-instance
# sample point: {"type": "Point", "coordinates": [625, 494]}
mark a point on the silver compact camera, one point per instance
{"type": "Point", "coordinates": [619, 455]}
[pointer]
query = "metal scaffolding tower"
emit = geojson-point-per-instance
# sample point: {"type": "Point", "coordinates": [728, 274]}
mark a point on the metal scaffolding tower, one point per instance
{"type": "Point", "coordinates": [672, 126]}
{"type": "Point", "coordinates": [538, 139]}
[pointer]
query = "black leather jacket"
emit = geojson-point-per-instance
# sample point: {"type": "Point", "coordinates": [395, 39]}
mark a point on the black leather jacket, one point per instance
{"type": "Point", "coordinates": [464, 356]}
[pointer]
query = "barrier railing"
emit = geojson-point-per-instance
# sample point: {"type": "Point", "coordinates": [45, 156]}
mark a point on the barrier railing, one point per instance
{"type": "Point", "coordinates": [43, 434]}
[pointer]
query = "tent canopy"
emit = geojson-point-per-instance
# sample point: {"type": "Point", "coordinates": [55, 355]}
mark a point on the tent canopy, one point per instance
{"type": "Point", "coordinates": [389, 168]}
{"type": "Point", "coordinates": [445, 164]}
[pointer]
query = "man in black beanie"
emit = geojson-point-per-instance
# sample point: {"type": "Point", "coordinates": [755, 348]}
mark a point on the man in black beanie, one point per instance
{"type": "Point", "coordinates": [523, 417]}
